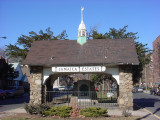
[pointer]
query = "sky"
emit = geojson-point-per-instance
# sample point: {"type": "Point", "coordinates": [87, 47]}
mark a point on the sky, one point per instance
{"type": "Point", "coordinates": [19, 17]}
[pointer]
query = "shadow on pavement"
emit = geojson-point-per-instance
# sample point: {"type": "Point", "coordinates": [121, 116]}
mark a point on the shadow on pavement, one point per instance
{"type": "Point", "coordinates": [143, 103]}
{"type": "Point", "coordinates": [16, 100]}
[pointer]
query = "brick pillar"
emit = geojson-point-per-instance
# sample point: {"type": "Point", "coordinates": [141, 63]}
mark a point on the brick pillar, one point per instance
{"type": "Point", "coordinates": [125, 98]}
{"type": "Point", "coordinates": [36, 85]}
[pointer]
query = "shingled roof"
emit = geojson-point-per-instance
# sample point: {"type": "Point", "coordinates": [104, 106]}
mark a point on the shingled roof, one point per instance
{"type": "Point", "coordinates": [93, 52]}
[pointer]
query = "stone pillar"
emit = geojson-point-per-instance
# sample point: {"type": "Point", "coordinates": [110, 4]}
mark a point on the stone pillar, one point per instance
{"type": "Point", "coordinates": [125, 98]}
{"type": "Point", "coordinates": [36, 85]}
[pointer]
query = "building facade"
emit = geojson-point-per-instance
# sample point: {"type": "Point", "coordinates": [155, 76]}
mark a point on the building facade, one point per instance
{"type": "Point", "coordinates": [156, 60]}
{"type": "Point", "coordinates": [3, 72]}
{"type": "Point", "coordinates": [21, 79]}
{"type": "Point", "coordinates": [147, 75]}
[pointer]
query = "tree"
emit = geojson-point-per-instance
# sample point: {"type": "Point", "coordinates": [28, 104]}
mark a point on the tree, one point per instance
{"type": "Point", "coordinates": [96, 78]}
{"type": "Point", "coordinates": [2, 53]}
{"type": "Point", "coordinates": [119, 34]}
{"type": "Point", "coordinates": [24, 42]}
{"type": "Point", "coordinates": [62, 36]}
{"type": "Point", "coordinates": [11, 72]}
{"type": "Point", "coordinates": [142, 50]}
{"type": "Point", "coordinates": [144, 57]}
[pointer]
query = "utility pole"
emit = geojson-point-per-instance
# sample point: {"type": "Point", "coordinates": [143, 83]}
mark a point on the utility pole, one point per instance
{"type": "Point", "coordinates": [145, 76]}
{"type": "Point", "coordinates": [140, 82]}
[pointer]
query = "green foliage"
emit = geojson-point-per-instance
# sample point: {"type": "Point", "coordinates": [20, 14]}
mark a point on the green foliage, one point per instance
{"type": "Point", "coordinates": [12, 73]}
{"type": "Point", "coordinates": [97, 35]}
{"type": "Point", "coordinates": [36, 109]}
{"type": "Point", "coordinates": [62, 111]}
{"type": "Point", "coordinates": [21, 48]}
{"type": "Point", "coordinates": [99, 78]}
{"type": "Point", "coordinates": [113, 34]}
{"type": "Point", "coordinates": [96, 78]}
{"type": "Point", "coordinates": [62, 36]}
{"type": "Point", "coordinates": [144, 58]}
{"type": "Point", "coordinates": [119, 34]}
{"type": "Point", "coordinates": [94, 112]}
{"type": "Point", "coordinates": [143, 51]}
{"type": "Point", "coordinates": [2, 53]}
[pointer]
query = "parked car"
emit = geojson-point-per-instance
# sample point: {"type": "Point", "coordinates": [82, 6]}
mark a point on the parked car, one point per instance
{"type": "Point", "coordinates": [139, 89]}
{"type": "Point", "coordinates": [158, 93]}
{"type": "Point", "coordinates": [2, 94]}
{"type": "Point", "coordinates": [134, 89]}
{"type": "Point", "coordinates": [62, 88]}
{"type": "Point", "coordinates": [14, 91]}
{"type": "Point", "coordinates": [70, 88]}
{"type": "Point", "coordinates": [55, 89]}
{"type": "Point", "coordinates": [153, 91]}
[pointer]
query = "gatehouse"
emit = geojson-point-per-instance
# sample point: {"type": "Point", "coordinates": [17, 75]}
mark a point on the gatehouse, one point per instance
{"type": "Point", "coordinates": [112, 58]}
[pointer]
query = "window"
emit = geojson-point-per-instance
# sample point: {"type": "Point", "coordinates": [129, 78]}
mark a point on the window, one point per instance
{"type": "Point", "coordinates": [83, 33]}
{"type": "Point", "coordinates": [79, 33]}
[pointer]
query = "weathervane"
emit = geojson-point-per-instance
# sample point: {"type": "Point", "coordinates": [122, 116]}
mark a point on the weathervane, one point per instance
{"type": "Point", "coordinates": [82, 8]}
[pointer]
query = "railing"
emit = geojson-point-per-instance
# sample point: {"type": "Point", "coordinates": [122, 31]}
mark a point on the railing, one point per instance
{"type": "Point", "coordinates": [107, 98]}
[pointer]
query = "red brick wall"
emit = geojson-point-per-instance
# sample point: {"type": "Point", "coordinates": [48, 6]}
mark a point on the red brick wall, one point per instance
{"type": "Point", "coordinates": [156, 59]}
{"type": "Point", "coordinates": [148, 72]}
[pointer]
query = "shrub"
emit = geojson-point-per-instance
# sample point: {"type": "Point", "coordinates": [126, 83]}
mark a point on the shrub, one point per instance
{"type": "Point", "coordinates": [36, 109]}
{"type": "Point", "coordinates": [94, 112]}
{"type": "Point", "coordinates": [62, 111]}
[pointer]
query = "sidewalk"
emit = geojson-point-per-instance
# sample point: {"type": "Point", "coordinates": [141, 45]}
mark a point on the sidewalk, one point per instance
{"type": "Point", "coordinates": [12, 112]}
{"type": "Point", "coordinates": [146, 91]}
{"type": "Point", "coordinates": [142, 114]}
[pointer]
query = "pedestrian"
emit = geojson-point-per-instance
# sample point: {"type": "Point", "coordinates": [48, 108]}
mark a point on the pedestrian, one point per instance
{"type": "Point", "coordinates": [157, 90]}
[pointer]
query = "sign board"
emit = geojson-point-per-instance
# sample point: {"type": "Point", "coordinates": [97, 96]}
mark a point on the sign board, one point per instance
{"type": "Point", "coordinates": [79, 69]}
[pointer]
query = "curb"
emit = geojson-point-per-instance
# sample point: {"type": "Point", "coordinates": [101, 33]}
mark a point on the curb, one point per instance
{"type": "Point", "coordinates": [146, 91]}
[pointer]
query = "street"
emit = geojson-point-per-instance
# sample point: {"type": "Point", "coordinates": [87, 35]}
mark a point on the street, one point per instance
{"type": "Point", "coordinates": [150, 103]}
{"type": "Point", "coordinates": [13, 103]}
{"type": "Point", "coordinates": [142, 100]}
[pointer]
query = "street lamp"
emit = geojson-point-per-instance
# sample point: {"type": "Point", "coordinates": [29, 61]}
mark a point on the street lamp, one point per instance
{"type": "Point", "coordinates": [3, 37]}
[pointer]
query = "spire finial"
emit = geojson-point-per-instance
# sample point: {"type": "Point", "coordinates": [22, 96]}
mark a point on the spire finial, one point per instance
{"type": "Point", "coordinates": [82, 30]}
{"type": "Point", "coordinates": [82, 8]}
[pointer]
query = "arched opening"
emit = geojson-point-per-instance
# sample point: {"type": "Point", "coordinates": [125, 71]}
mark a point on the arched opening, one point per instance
{"type": "Point", "coordinates": [83, 88]}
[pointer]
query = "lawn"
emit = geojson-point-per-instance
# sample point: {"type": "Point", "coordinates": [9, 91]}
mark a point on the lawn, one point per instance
{"type": "Point", "coordinates": [25, 116]}
{"type": "Point", "coordinates": [102, 97]}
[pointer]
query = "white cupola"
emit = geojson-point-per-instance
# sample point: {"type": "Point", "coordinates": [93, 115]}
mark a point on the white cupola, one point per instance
{"type": "Point", "coordinates": [82, 34]}
{"type": "Point", "coordinates": [82, 27]}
